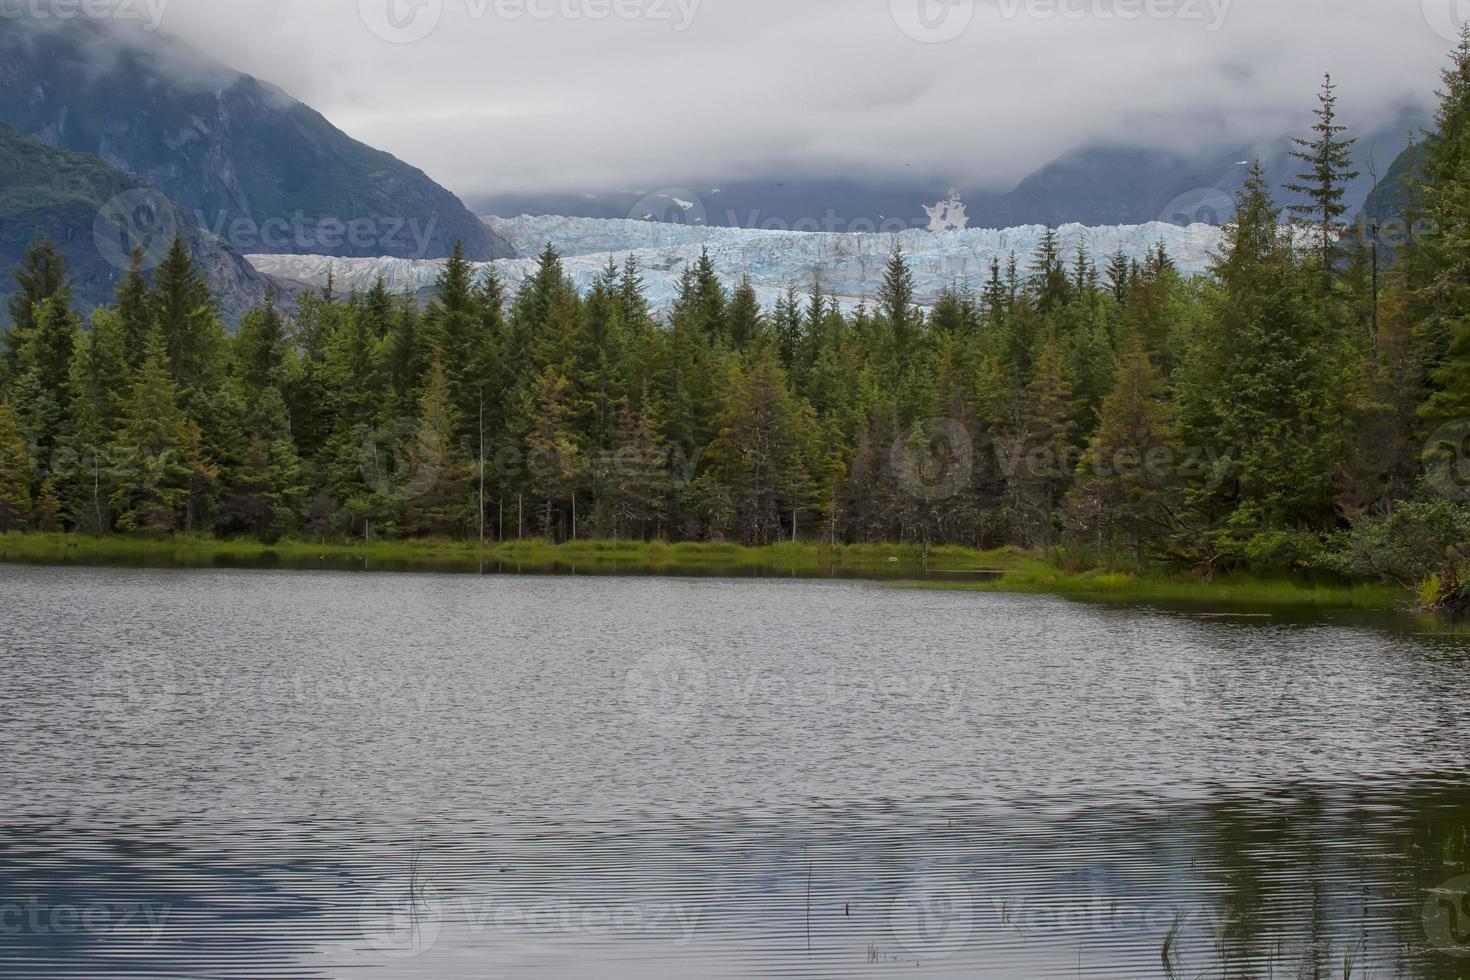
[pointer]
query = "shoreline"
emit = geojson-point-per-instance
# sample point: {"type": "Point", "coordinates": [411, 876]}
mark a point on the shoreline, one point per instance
{"type": "Point", "coordinates": [947, 568]}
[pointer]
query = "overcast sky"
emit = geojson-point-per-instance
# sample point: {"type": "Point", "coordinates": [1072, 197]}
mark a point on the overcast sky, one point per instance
{"type": "Point", "coordinates": [508, 96]}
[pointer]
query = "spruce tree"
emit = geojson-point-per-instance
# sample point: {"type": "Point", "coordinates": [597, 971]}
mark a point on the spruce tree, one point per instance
{"type": "Point", "coordinates": [1263, 387]}
{"type": "Point", "coordinates": [135, 311]}
{"type": "Point", "coordinates": [1126, 474]}
{"type": "Point", "coordinates": [183, 310]}
{"type": "Point", "coordinates": [761, 453]}
{"type": "Point", "coordinates": [440, 504]}
{"type": "Point", "coordinates": [1438, 262]}
{"type": "Point", "coordinates": [902, 322]}
{"type": "Point", "coordinates": [1328, 158]}
{"type": "Point", "coordinates": [41, 277]}
{"type": "Point", "coordinates": [98, 387]}
{"type": "Point", "coordinates": [261, 347]}
{"type": "Point", "coordinates": [552, 456]}
{"type": "Point", "coordinates": [15, 474]}
{"type": "Point", "coordinates": [151, 474]}
{"type": "Point", "coordinates": [1041, 454]}
{"type": "Point", "coordinates": [638, 484]}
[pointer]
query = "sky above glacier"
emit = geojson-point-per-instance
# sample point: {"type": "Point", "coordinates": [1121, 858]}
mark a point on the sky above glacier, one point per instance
{"type": "Point", "coordinates": [508, 96]}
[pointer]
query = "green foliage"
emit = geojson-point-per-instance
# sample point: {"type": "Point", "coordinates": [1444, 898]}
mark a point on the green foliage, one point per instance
{"type": "Point", "coordinates": [1416, 541]}
{"type": "Point", "coordinates": [15, 474]}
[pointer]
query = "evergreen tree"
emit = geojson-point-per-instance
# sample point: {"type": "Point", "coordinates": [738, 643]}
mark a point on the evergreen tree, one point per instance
{"type": "Point", "coordinates": [897, 311]}
{"type": "Point", "coordinates": [441, 502]}
{"type": "Point", "coordinates": [261, 347]}
{"type": "Point", "coordinates": [184, 312]}
{"type": "Point", "coordinates": [265, 493]}
{"type": "Point", "coordinates": [135, 311]}
{"type": "Point", "coordinates": [98, 384]}
{"type": "Point", "coordinates": [1264, 385]}
{"type": "Point", "coordinates": [1438, 261]}
{"type": "Point", "coordinates": [15, 474]}
{"type": "Point", "coordinates": [41, 277]}
{"type": "Point", "coordinates": [1328, 158]}
{"type": "Point", "coordinates": [551, 448]}
{"type": "Point", "coordinates": [744, 318]}
{"type": "Point", "coordinates": [151, 474]}
{"type": "Point", "coordinates": [1126, 474]}
{"type": "Point", "coordinates": [761, 451]}
{"type": "Point", "coordinates": [1041, 454]}
{"type": "Point", "coordinates": [638, 483]}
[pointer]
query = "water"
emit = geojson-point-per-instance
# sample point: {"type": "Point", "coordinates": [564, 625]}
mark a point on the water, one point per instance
{"type": "Point", "coordinates": [309, 773]}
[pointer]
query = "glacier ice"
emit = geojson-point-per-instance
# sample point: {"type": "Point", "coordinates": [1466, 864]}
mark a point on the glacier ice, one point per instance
{"type": "Point", "coordinates": [849, 265]}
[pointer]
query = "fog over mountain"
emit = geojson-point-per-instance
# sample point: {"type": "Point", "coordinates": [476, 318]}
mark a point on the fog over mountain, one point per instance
{"type": "Point", "coordinates": [710, 93]}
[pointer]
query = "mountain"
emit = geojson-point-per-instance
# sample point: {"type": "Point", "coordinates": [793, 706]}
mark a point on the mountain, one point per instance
{"type": "Point", "coordinates": [247, 161]}
{"type": "Point", "coordinates": [95, 214]}
{"type": "Point", "coordinates": [849, 266]}
{"type": "Point", "coordinates": [1106, 184]}
{"type": "Point", "coordinates": [1391, 195]}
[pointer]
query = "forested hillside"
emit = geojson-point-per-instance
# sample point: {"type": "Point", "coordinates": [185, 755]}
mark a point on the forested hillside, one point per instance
{"type": "Point", "coordinates": [1272, 414]}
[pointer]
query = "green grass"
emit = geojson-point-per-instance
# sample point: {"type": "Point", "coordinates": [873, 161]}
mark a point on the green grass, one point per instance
{"type": "Point", "coordinates": [1004, 570]}
{"type": "Point", "coordinates": [204, 549]}
{"type": "Point", "coordinates": [1033, 575]}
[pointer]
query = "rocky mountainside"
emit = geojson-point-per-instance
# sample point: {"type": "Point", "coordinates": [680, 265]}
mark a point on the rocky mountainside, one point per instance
{"type": "Point", "coordinates": [245, 160]}
{"type": "Point", "coordinates": [96, 215]}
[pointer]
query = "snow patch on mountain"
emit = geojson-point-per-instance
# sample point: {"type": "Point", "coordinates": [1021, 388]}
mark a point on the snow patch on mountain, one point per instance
{"type": "Point", "coordinates": [848, 265]}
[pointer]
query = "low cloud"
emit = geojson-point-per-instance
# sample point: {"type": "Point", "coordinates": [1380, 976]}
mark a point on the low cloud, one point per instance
{"type": "Point", "coordinates": [592, 95]}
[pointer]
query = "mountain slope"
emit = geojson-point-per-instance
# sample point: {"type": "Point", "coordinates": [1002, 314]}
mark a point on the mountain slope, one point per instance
{"type": "Point", "coordinates": [76, 200]}
{"type": "Point", "coordinates": [243, 158]}
{"type": "Point", "coordinates": [1105, 184]}
{"type": "Point", "coordinates": [1389, 199]}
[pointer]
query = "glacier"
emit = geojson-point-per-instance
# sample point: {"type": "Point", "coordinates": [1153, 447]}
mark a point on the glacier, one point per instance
{"type": "Point", "coordinates": [849, 265]}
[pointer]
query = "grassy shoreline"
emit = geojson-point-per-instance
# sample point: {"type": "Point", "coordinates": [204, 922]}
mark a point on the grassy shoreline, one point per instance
{"type": "Point", "coordinates": [1035, 576]}
{"type": "Point", "coordinates": [944, 568]}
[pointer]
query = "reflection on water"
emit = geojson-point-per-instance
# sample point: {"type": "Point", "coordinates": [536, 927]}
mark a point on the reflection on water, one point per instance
{"type": "Point", "coordinates": [310, 774]}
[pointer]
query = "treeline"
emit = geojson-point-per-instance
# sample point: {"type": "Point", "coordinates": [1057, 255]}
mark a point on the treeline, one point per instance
{"type": "Point", "coordinates": [1270, 414]}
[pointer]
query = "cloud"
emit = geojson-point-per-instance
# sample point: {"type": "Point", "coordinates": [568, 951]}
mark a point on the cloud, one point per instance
{"type": "Point", "coordinates": [520, 96]}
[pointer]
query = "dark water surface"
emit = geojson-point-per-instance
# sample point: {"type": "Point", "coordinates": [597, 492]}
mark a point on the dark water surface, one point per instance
{"type": "Point", "coordinates": [309, 773]}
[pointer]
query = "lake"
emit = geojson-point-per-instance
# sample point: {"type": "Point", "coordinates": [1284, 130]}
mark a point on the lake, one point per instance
{"type": "Point", "coordinates": [225, 772]}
